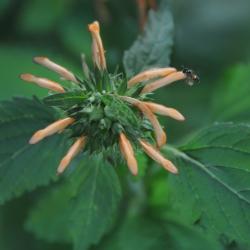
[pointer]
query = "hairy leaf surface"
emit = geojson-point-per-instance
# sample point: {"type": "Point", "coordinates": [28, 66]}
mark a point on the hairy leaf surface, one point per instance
{"type": "Point", "coordinates": [80, 210]}
{"type": "Point", "coordinates": [22, 166]}
{"type": "Point", "coordinates": [214, 181]}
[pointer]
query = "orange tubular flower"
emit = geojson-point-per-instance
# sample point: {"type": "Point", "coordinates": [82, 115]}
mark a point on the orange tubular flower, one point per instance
{"type": "Point", "coordinates": [43, 82]}
{"type": "Point", "coordinates": [164, 81]}
{"type": "Point", "coordinates": [97, 46]}
{"type": "Point", "coordinates": [160, 135]}
{"type": "Point", "coordinates": [128, 153]}
{"type": "Point", "coordinates": [156, 156]}
{"type": "Point", "coordinates": [64, 73]}
{"type": "Point", "coordinates": [53, 128]}
{"type": "Point", "coordinates": [149, 74]}
{"type": "Point", "coordinates": [162, 110]}
{"type": "Point", "coordinates": [73, 151]}
{"type": "Point", "coordinates": [96, 54]}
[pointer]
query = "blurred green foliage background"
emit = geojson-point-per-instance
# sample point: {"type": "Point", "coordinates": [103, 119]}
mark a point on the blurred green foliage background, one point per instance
{"type": "Point", "coordinates": [211, 37]}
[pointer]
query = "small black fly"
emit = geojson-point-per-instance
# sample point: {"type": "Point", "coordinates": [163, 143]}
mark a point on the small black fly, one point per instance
{"type": "Point", "coordinates": [192, 77]}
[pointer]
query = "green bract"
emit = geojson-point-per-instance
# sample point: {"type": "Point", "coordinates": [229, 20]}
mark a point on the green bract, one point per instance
{"type": "Point", "coordinates": [100, 114]}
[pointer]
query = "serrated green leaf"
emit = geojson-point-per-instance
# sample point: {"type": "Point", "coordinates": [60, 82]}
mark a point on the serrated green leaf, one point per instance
{"type": "Point", "coordinates": [145, 233]}
{"type": "Point", "coordinates": [82, 209]}
{"type": "Point", "coordinates": [65, 100]}
{"type": "Point", "coordinates": [22, 166]}
{"type": "Point", "coordinates": [153, 47]}
{"type": "Point", "coordinates": [231, 100]}
{"type": "Point", "coordinates": [214, 181]}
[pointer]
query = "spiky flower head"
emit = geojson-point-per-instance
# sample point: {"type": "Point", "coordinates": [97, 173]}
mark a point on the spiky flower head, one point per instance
{"type": "Point", "coordinates": [106, 112]}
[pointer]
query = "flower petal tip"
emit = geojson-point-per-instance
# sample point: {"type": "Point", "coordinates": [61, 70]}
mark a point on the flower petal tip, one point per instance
{"type": "Point", "coordinates": [175, 114]}
{"type": "Point", "coordinates": [128, 154]}
{"type": "Point", "coordinates": [134, 171]}
{"type": "Point", "coordinates": [27, 77]}
{"type": "Point", "coordinates": [175, 171]}
{"type": "Point", "coordinates": [180, 117]}
{"type": "Point", "coordinates": [38, 136]}
{"type": "Point", "coordinates": [169, 166]}
{"type": "Point", "coordinates": [39, 59]}
{"type": "Point", "coordinates": [63, 165]}
{"type": "Point", "coordinates": [94, 27]}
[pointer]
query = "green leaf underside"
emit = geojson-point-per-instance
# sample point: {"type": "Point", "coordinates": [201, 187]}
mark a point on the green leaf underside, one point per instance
{"type": "Point", "coordinates": [147, 234]}
{"type": "Point", "coordinates": [65, 100]}
{"type": "Point", "coordinates": [235, 90]}
{"type": "Point", "coordinates": [215, 180]}
{"type": "Point", "coordinates": [153, 47]}
{"type": "Point", "coordinates": [83, 209]}
{"type": "Point", "coordinates": [24, 167]}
